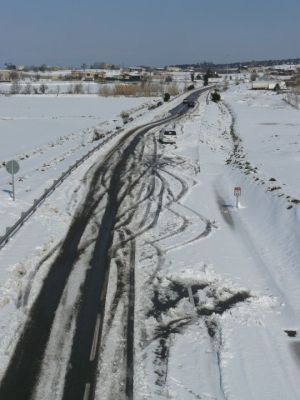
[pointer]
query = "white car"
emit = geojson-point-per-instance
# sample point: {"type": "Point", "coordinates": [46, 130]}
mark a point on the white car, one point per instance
{"type": "Point", "coordinates": [167, 136]}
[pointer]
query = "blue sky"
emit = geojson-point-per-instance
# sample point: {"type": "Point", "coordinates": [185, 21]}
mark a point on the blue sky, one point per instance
{"type": "Point", "coordinates": [156, 32]}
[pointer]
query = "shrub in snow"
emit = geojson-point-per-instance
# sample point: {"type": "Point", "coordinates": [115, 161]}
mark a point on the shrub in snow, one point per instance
{"type": "Point", "coordinates": [124, 114]}
{"type": "Point", "coordinates": [15, 88]}
{"type": "Point", "coordinates": [295, 201]}
{"type": "Point", "coordinates": [78, 88]}
{"type": "Point", "coordinates": [43, 88]}
{"type": "Point", "coordinates": [27, 89]}
{"type": "Point", "coordinates": [215, 96]}
{"type": "Point", "coordinates": [97, 135]}
{"type": "Point", "coordinates": [166, 97]}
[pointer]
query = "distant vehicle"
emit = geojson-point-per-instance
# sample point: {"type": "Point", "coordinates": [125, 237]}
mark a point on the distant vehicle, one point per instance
{"type": "Point", "coordinates": [185, 101]}
{"type": "Point", "coordinates": [167, 136]}
{"type": "Point", "coordinates": [191, 103]}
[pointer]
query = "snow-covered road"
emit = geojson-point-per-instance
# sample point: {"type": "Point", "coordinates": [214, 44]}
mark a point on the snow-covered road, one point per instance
{"type": "Point", "coordinates": [65, 322]}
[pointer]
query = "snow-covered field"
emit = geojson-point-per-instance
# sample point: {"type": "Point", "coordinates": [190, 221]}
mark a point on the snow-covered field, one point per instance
{"type": "Point", "coordinates": [28, 122]}
{"type": "Point", "coordinates": [28, 85]}
{"type": "Point", "coordinates": [269, 130]}
{"type": "Point", "coordinates": [47, 134]}
{"type": "Point", "coordinates": [216, 285]}
{"type": "Point", "coordinates": [53, 87]}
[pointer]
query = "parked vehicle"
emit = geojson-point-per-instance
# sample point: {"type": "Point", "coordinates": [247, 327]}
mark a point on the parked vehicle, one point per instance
{"type": "Point", "coordinates": [167, 136]}
{"type": "Point", "coordinates": [185, 101]}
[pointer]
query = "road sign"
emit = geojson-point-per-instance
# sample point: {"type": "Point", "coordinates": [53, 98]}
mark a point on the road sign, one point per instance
{"type": "Point", "coordinates": [237, 192]}
{"type": "Point", "coordinates": [12, 167]}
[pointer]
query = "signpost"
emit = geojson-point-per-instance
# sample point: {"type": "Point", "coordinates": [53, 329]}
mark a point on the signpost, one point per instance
{"type": "Point", "coordinates": [12, 167]}
{"type": "Point", "coordinates": [237, 193]}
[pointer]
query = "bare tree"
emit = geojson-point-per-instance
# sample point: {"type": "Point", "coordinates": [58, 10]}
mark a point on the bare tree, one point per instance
{"type": "Point", "coordinates": [70, 89]}
{"type": "Point", "coordinates": [27, 89]}
{"type": "Point", "coordinates": [43, 88]}
{"type": "Point", "coordinates": [15, 87]}
{"type": "Point", "coordinates": [78, 89]}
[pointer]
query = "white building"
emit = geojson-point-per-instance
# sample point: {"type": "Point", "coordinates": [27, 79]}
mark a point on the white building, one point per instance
{"type": "Point", "coordinates": [268, 85]}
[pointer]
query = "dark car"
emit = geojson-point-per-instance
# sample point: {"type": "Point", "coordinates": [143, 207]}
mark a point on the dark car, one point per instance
{"type": "Point", "coordinates": [185, 101]}
{"type": "Point", "coordinates": [191, 103]}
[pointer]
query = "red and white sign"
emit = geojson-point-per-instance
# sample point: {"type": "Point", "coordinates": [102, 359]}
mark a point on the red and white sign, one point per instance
{"type": "Point", "coordinates": [237, 191]}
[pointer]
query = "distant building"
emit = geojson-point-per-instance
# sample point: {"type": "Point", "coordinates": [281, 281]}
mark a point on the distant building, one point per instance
{"type": "Point", "coordinates": [174, 69]}
{"type": "Point", "coordinates": [133, 77]}
{"type": "Point", "coordinates": [5, 76]}
{"type": "Point", "coordinates": [136, 69]}
{"type": "Point", "coordinates": [87, 75]}
{"type": "Point", "coordinates": [8, 76]}
{"type": "Point", "coordinates": [268, 85]}
{"type": "Point", "coordinates": [103, 65]}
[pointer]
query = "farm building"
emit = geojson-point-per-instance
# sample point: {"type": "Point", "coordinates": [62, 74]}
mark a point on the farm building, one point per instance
{"type": "Point", "coordinates": [87, 75]}
{"type": "Point", "coordinates": [268, 85]}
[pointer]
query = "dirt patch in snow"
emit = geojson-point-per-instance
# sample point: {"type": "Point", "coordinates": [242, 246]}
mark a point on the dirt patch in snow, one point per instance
{"type": "Point", "coordinates": [175, 307]}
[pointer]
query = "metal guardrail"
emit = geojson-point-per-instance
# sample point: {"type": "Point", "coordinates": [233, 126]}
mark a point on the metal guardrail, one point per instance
{"type": "Point", "coordinates": [12, 230]}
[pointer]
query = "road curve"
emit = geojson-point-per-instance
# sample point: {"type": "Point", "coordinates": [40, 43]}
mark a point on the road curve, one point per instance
{"type": "Point", "coordinates": [24, 368]}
